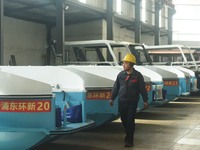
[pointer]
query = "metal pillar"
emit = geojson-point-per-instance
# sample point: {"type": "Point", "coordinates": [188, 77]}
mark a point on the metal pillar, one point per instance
{"type": "Point", "coordinates": [157, 21]}
{"type": "Point", "coordinates": [48, 57]}
{"type": "Point", "coordinates": [109, 19]}
{"type": "Point", "coordinates": [138, 21]}
{"type": "Point", "coordinates": [60, 32]}
{"type": "Point", "coordinates": [1, 30]}
{"type": "Point", "coordinates": [170, 22]}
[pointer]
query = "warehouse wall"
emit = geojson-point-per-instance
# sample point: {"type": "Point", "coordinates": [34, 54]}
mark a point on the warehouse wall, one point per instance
{"type": "Point", "coordinates": [123, 34]}
{"type": "Point", "coordinates": [150, 39]}
{"type": "Point", "coordinates": [147, 39]}
{"type": "Point", "coordinates": [148, 16]}
{"type": "Point", "coordinates": [82, 31]}
{"type": "Point", "coordinates": [97, 3]}
{"type": "Point", "coordinates": [25, 40]}
{"type": "Point", "coordinates": [95, 30]}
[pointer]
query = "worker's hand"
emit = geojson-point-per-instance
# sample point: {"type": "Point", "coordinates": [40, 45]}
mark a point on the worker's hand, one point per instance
{"type": "Point", "coordinates": [145, 105]}
{"type": "Point", "coordinates": [111, 102]}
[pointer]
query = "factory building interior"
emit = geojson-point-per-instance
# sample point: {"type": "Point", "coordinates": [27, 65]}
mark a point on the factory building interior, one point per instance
{"type": "Point", "coordinates": [60, 62]}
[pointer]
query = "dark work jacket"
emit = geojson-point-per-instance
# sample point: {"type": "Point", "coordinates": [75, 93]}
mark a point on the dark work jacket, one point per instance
{"type": "Point", "coordinates": [128, 87]}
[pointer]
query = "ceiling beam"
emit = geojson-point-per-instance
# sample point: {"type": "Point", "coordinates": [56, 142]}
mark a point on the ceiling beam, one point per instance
{"type": "Point", "coordinates": [11, 11]}
{"type": "Point", "coordinates": [27, 18]}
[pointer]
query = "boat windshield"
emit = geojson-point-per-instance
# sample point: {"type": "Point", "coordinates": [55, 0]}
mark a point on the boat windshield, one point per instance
{"type": "Point", "coordinates": [170, 54]}
{"type": "Point", "coordinates": [141, 55]}
{"type": "Point", "coordinates": [94, 53]}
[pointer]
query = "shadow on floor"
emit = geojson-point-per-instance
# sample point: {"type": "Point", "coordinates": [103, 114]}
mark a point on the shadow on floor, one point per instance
{"type": "Point", "coordinates": [59, 146]}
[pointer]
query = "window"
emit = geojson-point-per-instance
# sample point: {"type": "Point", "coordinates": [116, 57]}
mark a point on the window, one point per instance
{"type": "Point", "coordinates": [82, 1]}
{"type": "Point", "coordinates": [186, 20]}
{"type": "Point", "coordinates": [119, 7]}
{"type": "Point", "coordinates": [143, 11]}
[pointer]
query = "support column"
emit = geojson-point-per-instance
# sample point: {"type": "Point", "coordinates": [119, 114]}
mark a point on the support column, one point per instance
{"type": "Point", "coordinates": [1, 30]}
{"type": "Point", "coordinates": [157, 21]}
{"type": "Point", "coordinates": [48, 36]}
{"type": "Point", "coordinates": [138, 21]}
{"type": "Point", "coordinates": [60, 31]}
{"type": "Point", "coordinates": [170, 24]}
{"type": "Point", "coordinates": [109, 19]}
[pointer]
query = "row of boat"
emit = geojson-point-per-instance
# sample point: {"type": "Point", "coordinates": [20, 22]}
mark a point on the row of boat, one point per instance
{"type": "Point", "coordinates": [42, 103]}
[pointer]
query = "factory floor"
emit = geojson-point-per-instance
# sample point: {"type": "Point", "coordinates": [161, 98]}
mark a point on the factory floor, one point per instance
{"type": "Point", "coordinates": [173, 126]}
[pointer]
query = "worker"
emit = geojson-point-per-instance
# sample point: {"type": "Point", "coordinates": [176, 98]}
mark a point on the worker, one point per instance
{"type": "Point", "coordinates": [128, 87]}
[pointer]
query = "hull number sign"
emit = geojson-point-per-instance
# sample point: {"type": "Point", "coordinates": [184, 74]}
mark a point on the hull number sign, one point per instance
{"type": "Point", "coordinates": [101, 95]}
{"type": "Point", "coordinates": [171, 83]}
{"type": "Point", "coordinates": [25, 105]}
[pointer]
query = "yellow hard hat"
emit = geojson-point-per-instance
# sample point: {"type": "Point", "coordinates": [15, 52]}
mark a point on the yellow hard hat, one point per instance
{"type": "Point", "coordinates": [130, 58]}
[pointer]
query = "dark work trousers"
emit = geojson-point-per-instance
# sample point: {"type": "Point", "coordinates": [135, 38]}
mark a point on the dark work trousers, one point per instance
{"type": "Point", "coordinates": [127, 113]}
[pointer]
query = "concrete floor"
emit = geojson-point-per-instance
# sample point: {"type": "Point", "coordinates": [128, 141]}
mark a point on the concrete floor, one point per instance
{"type": "Point", "coordinates": [173, 126]}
